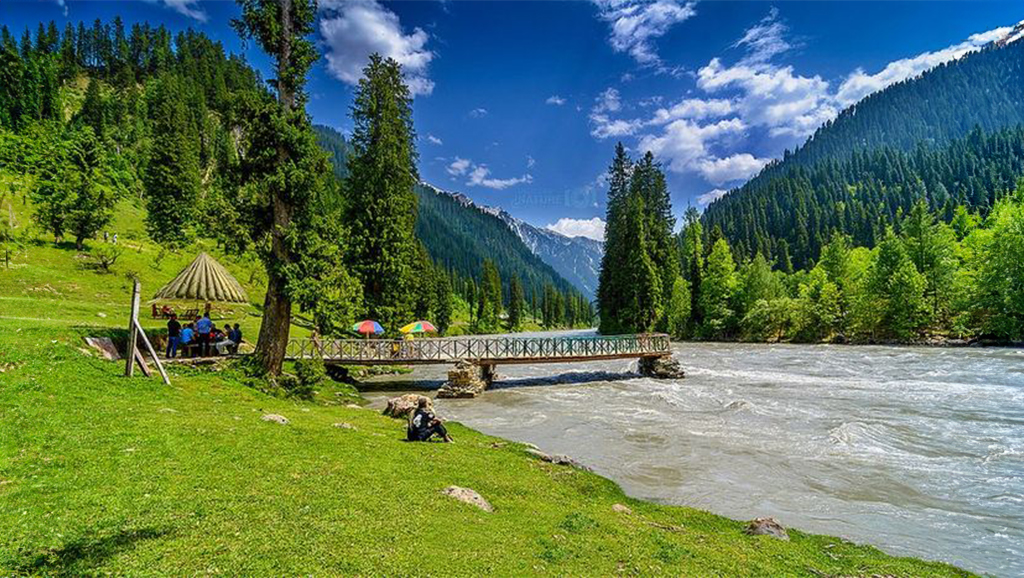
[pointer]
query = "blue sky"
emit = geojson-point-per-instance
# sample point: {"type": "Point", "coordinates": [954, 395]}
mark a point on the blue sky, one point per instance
{"type": "Point", "coordinates": [519, 104]}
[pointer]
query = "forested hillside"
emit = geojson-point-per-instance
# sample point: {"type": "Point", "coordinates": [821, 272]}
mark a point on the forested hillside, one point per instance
{"type": "Point", "coordinates": [791, 215]}
{"type": "Point", "coordinates": [460, 236]}
{"type": "Point", "coordinates": [95, 116]}
{"type": "Point", "coordinates": [938, 136]}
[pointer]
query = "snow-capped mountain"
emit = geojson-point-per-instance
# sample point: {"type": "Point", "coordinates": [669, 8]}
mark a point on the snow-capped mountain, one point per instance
{"type": "Point", "coordinates": [1016, 34]}
{"type": "Point", "coordinates": [577, 259]}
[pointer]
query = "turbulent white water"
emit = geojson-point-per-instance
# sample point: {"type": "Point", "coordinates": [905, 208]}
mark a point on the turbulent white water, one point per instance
{"type": "Point", "coordinates": [918, 451]}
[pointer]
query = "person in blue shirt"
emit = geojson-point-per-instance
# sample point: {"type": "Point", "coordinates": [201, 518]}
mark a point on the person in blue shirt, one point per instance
{"type": "Point", "coordinates": [203, 329]}
{"type": "Point", "coordinates": [187, 336]}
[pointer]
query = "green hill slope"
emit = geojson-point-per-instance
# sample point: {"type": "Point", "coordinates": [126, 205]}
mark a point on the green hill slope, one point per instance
{"type": "Point", "coordinates": [460, 236]}
{"type": "Point", "coordinates": [912, 140]}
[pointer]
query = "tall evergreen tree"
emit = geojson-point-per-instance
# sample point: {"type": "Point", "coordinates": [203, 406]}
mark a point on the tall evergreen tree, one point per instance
{"type": "Point", "coordinates": [382, 203]}
{"type": "Point", "coordinates": [286, 176]}
{"type": "Point", "coordinates": [172, 174]}
{"type": "Point", "coordinates": [516, 305]}
{"type": "Point", "coordinates": [611, 280]}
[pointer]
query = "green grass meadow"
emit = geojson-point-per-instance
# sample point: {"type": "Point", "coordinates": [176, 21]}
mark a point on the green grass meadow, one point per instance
{"type": "Point", "coordinates": [106, 475]}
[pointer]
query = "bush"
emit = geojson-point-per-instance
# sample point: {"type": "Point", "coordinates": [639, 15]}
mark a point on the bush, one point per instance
{"type": "Point", "coordinates": [309, 375]}
{"type": "Point", "coordinates": [104, 256]}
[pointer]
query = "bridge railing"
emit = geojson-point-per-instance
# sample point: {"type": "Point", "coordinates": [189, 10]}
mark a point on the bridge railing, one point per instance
{"type": "Point", "coordinates": [443, 350]}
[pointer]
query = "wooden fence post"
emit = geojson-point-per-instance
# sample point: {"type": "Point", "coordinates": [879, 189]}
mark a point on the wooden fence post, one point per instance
{"type": "Point", "coordinates": [129, 368]}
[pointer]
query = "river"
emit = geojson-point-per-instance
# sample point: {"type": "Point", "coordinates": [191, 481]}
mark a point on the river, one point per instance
{"type": "Point", "coordinates": [919, 451]}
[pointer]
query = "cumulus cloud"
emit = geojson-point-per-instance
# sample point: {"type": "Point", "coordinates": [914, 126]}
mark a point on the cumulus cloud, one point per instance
{"type": "Point", "coordinates": [555, 100]}
{"type": "Point", "coordinates": [590, 228]}
{"type": "Point", "coordinates": [478, 112]}
{"type": "Point", "coordinates": [354, 29]}
{"type": "Point", "coordinates": [602, 125]}
{"type": "Point", "coordinates": [684, 143]}
{"type": "Point", "coordinates": [458, 167]}
{"type": "Point", "coordinates": [860, 84]}
{"type": "Point", "coordinates": [737, 167]}
{"type": "Point", "coordinates": [636, 24]}
{"type": "Point", "coordinates": [694, 108]}
{"type": "Point", "coordinates": [710, 197]}
{"type": "Point", "coordinates": [434, 140]}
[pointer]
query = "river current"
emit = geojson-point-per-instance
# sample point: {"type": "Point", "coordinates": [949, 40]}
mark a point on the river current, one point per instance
{"type": "Point", "coordinates": [919, 451]}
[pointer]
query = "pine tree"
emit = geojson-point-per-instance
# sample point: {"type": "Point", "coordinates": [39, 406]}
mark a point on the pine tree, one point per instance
{"type": "Point", "coordinates": [172, 174]}
{"type": "Point", "coordinates": [611, 281]}
{"type": "Point", "coordinates": [717, 291]}
{"type": "Point", "coordinates": [516, 305]}
{"type": "Point", "coordinates": [286, 177]}
{"type": "Point", "coordinates": [382, 203]}
{"type": "Point", "coordinates": [642, 287]}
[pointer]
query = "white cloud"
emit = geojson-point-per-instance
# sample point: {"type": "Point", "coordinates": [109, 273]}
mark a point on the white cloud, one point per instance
{"type": "Point", "coordinates": [458, 167]}
{"type": "Point", "coordinates": [530, 161]}
{"type": "Point", "coordinates": [608, 101]}
{"type": "Point", "coordinates": [636, 24]}
{"type": "Point", "coordinates": [860, 84]}
{"type": "Point", "coordinates": [434, 140]}
{"type": "Point", "coordinates": [590, 228]}
{"type": "Point", "coordinates": [189, 8]}
{"type": "Point", "coordinates": [480, 177]}
{"type": "Point", "coordinates": [478, 112]}
{"type": "Point", "coordinates": [765, 40]}
{"type": "Point", "coordinates": [710, 197]}
{"type": "Point", "coordinates": [603, 126]}
{"type": "Point", "coordinates": [694, 108]}
{"type": "Point", "coordinates": [354, 29]}
{"type": "Point", "coordinates": [737, 167]}
{"type": "Point", "coordinates": [555, 100]}
{"type": "Point", "coordinates": [683, 143]}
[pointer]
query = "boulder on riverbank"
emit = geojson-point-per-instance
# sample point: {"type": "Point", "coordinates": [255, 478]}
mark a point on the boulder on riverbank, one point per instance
{"type": "Point", "coordinates": [766, 527]}
{"type": "Point", "coordinates": [404, 405]}
{"type": "Point", "coordinates": [464, 380]}
{"type": "Point", "coordinates": [663, 367]}
{"type": "Point", "coordinates": [556, 459]}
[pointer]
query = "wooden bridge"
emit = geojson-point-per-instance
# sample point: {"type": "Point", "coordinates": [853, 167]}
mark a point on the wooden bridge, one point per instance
{"type": "Point", "coordinates": [482, 351]}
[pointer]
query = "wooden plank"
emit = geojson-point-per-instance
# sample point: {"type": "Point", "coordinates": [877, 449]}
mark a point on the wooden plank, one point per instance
{"type": "Point", "coordinates": [142, 363]}
{"type": "Point", "coordinates": [133, 320]}
{"type": "Point", "coordinates": [156, 360]}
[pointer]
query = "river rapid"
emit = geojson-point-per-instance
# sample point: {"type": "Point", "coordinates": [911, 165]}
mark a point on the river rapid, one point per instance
{"type": "Point", "coordinates": [919, 451]}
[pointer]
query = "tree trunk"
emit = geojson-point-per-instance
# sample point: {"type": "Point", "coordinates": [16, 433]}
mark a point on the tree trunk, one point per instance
{"type": "Point", "coordinates": [277, 307]}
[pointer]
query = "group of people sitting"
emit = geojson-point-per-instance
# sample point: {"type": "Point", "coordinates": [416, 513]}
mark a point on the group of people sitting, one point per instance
{"type": "Point", "coordinates": [201, 338]}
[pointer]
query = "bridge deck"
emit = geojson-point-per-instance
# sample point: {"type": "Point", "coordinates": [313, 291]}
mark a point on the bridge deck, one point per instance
{"type": "Point", "coordinates": [479, 350]}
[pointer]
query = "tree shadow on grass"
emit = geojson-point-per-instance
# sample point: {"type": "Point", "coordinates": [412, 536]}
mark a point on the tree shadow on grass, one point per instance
{"type": "Point", "coordinates": [84, 553]}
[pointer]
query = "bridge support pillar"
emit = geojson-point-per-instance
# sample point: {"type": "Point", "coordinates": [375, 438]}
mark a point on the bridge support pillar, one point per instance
{"type": "Point", "coordinates": [466, 379]}
{"type": "Point", "coordinates": [661, 367]}
{"type": "Point", "coordinates": [488, 373]}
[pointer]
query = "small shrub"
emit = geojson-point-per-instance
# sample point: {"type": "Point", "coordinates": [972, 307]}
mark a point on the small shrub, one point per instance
{"type": "Point", "coordinates": [104, 256]}
{"type": "Point", "coordinates": [311, 372]}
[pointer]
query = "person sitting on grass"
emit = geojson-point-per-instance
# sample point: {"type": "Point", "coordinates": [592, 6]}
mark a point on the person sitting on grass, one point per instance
{"type": "Point", "coordinates": [423, 424]}
{"type": "Point", "coordinates": [235, 335]}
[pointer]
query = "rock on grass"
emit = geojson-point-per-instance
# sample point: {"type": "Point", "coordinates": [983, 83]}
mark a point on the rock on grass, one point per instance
{"type": "Point", "coordinates": [275, 418]}
{"type": "Point", "coordinates": [468, 496]}
{"type": "Point", "coordinates": [766, 527]}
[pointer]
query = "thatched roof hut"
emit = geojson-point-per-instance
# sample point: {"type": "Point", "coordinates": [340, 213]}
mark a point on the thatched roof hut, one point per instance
{"type": "Point", "coordinates": [204, 280]}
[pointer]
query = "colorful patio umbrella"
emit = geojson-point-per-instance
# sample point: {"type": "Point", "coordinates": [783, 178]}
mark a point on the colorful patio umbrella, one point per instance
{"type": "Point", "coordinates": [368, 327]}
{"type": "Point", "coordinates": [419, 327]}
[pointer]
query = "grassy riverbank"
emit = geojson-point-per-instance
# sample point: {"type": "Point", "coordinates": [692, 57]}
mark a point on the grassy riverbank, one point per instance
{"type": "Point", "coordinates": [104, 475]}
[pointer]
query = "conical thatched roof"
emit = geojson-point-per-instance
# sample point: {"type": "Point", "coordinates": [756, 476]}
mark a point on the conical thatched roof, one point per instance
{"type": "Point", "coordinates": [204, 280]}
